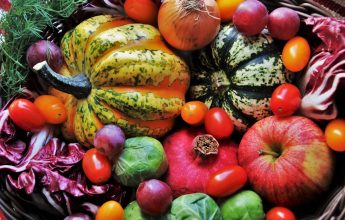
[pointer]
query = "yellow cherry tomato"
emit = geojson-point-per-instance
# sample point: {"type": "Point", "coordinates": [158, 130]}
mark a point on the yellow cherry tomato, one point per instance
{"type": "Point", "coordinates": [335, 134]}
{"type": "Point", "coordinates": [296, 54]}
{"type": "Point", "coordinates": [110, 210]}
{"type": "Point", "coordinates": [227, 8]}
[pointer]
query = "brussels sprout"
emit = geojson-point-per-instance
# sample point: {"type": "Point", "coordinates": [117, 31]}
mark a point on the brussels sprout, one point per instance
{"type": "Point", "coordinates": [142, 158]}
{"type": "Point", "coordinates": [196, 206]}
{"type": "Point", "coordinates": [133, 211]}
{"type": "Point", "coordinates": [245, 205]}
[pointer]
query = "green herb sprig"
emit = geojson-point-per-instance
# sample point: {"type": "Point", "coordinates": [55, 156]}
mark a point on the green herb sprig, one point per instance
{"type": "Point", "coordinates": [23, 25]}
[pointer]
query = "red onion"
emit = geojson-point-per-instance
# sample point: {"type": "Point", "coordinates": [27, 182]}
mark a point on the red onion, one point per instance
{"type": "Point", "coordinates": [154, 197]}
{"type": "Point", "coordinates": [44, 50]}
{"type": "Point", "coordinates": [110, 140]}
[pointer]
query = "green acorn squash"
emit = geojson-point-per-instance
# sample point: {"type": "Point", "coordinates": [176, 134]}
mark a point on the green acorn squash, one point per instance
{"type": "Point", "coordinates": [239, 74]}
{"type": "Point", "coordinates": [121, 73]}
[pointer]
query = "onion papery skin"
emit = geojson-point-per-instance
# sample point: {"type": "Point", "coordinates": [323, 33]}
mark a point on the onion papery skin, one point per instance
{"type": "Point", "coordinates": [189, 24]}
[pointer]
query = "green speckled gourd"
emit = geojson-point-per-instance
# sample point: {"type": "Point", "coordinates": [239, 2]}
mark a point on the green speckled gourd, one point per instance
{"type": "Point", "coordinates": [239, 74]}
{"type": "Point", "coordinates": [133, 80]}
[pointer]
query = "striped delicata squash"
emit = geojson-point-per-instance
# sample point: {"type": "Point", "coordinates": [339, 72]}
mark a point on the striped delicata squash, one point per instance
{"type": "Point", "coordinates": [121, 73]}
{"type": "Point", "coordinates": [239, 74]}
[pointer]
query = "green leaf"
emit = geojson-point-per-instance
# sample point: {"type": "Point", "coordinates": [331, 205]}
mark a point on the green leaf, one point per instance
{"type": "Point", "coordinates": [196, 206]}
{"type": "Point", "coordinates": [24, 25]}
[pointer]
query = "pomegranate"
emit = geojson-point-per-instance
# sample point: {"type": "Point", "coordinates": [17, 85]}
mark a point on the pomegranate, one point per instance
{"type": "Point", "coordinates": [193, 156]}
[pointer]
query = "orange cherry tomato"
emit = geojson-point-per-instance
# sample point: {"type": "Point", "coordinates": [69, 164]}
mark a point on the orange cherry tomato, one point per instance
{"type": "Point", "coordinates": [226, 181]}
{"type": "Point", "coordinates": [110, 210]}
{"type": "Point", "coordinates": [26, 115]}
{"type": "Point", "coordinates": [296, 54]}
{"type": "Point", "coordinates": [335, 134]}
{"type": "Point", "coordinates": [194, 112]}
{"type": "Point", "coordinates": [280, 213]}
{"type": "Point", "coordinates": [96, 166]}
{"type": "Point", "coordinates": [52, 109]}
{"type": "Point", "coordinates": [142, 11]}
{"type": "Point", "coordinates": [227, 8]}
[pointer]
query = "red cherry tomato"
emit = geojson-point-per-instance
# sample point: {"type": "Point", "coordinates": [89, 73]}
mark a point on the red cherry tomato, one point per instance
{"type": "Point", "coordinates": [52, 109]}
{"type": "Point", "coordinates": [280, 213]}
{"type": "Point", "coordinates": [194, 112]}
{"type": "Point", "coordinates": [96, 166]}
{"type": "Point", "coordinates": [285, 100]}
{"type": "Point", "coordinates": [218, 123]}
{"type": "Point", "coordinates": [226, 181]}
{"type": "Point", "coordinates": [2, 215]}
{"type": "Point", "coordinates": [296, 54]}
{"type": "Point", "coordinates": [26, 115]}
{"type": "Point", "coordinates": [335, 135]}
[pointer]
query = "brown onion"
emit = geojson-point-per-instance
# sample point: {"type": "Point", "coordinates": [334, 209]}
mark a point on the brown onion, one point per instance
{"type": "Point", "coordinates": [189, 24]}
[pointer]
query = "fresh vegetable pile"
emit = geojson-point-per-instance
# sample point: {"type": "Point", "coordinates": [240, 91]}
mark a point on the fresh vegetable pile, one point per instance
{"type": "Point", "coordinates": [180, 109]}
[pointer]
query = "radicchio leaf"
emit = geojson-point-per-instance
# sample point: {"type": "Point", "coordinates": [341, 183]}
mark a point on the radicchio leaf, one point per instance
{"type": "Point", "coordinates": [326, 69]}
{"type": "Point", "coordinates": [47, 172]}
{"type": "Point", "coordinates": [78, 216]}
{"type": "Point", "coordinates": [11, 150]}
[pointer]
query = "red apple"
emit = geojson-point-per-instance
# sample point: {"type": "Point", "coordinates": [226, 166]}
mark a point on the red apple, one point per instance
{"type": "Point", "coordinates": [287, 160]}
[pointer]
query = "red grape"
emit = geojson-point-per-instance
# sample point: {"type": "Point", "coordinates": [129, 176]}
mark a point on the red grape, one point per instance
{"type": "Point", "coordinates": [283, 23]}
{"type": "Point", "coordinates": [250, 17]}
{"type": "Point", "coordinates": [109, 139]}
{"type": "Point", "coordinates": [154, 197]}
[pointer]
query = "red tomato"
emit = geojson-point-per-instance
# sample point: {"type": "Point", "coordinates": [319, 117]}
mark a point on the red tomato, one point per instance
{"type": "Point", "coordinates": [285, 100]}
{"type": "Point", "coordinates": [142, 11]}
{"type": "Point", "coordinates": [335, 135]}
{"type": "Point", "coordinates": [2, 215]}
{"type": "Point", "coordinates": [194, 112]}
{"type": "Point", "coordinates": [226, 181]}
{"type": "Point", "coordinates": [110, 210]}
{"type": "Point", "coordinates": [218, 123]}
{"type": "Point", "coordinates": [96, 166]}
{"type": "Point", "coordinates": [296, 54]}
{"type": "Point", "coordinates": [26, 115]}
{"type": "Point", "coordinates": [280, 213]}
{"type": "Point", "coordinates": [52, 109]}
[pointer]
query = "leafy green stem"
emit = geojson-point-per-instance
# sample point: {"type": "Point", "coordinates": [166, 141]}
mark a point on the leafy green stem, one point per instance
{"type": "Point", "coordinates": [22, 26]}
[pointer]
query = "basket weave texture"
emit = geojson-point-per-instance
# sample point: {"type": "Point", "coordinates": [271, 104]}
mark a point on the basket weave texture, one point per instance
{"type": "Point", "coordinates": [332, 206]}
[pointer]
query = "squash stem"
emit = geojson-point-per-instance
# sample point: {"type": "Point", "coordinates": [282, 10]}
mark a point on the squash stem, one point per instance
{"type": "Point", "coordinates": [78, 86]}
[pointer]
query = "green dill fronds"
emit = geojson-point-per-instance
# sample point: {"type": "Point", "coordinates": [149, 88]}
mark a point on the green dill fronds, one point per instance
{"type": "Point", "coordinates": [23, 25]}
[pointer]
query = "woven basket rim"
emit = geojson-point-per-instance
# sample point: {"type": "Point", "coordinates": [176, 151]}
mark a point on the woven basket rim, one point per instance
{"type": "Point", "coordinates": [334, 207]}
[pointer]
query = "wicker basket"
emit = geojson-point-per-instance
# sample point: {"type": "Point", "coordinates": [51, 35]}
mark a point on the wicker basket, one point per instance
{"type": "Point", "coordinates": [331, 206]}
